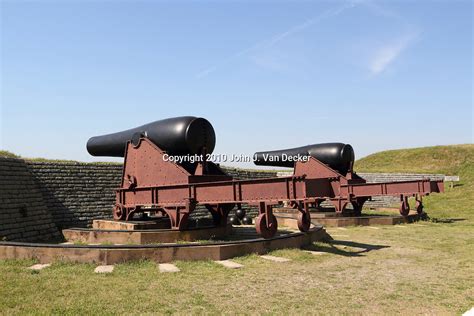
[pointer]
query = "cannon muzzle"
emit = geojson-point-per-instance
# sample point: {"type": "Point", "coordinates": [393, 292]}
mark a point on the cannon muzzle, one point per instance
{"type": "Point", "coordinates": [177, 136]}
{"type": "Point", "coordinates": [338, 156]}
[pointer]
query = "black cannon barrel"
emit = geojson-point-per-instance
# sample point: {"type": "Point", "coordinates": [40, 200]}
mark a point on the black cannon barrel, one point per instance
{"type": "Point", "coordinates": [338, 156]}
{"type": "Point", "coordinates": [177, 136]}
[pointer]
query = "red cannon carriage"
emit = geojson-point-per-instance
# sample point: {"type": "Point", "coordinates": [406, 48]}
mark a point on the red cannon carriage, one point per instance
{"type": "Point", "coordinates": [153, 183]}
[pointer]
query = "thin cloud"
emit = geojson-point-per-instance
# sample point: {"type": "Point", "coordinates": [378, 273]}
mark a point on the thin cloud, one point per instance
{"type": "Point", "coordinates": [271, 62]}
{"type": "Point", "coordinates": [387, 54]}
{"type": "Point", "coordinates": [382, 11]}
{"type": "Point", "coordinates": [267, 43]}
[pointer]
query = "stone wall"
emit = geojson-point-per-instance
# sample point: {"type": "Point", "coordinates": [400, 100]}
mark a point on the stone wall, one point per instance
{"type": "Point", "coordinates": [76, 193]}
{"type": "Point", "coordinates": [387, 201]}
{"type": "Point", "coordinates": [248, 173]}
{"type": "Point", "coordinates": [24, 215]}
{"type": "Point", "coordinates": [383, 201]}
{"type": "Point", "coordinates": [39, 199]}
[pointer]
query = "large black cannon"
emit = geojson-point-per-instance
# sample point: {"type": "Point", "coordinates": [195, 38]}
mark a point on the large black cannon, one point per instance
{"type": "Point", "coordinates": [152, 184]}
{"type": "Point", "coordinates": [178, 136]}
{"type": "Point", "coordinates": [338, 156]}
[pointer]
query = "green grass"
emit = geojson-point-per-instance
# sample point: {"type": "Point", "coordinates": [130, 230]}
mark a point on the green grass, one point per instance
{"type": "Point", "coordinates": [450, 160]}
{"type": "Point", "coordinates": [72, 161]}
{"type": "Point", "coordinates": [422, 268]}
{"type": "Point", "coordinates": [392, 270]}
{"type": "Point", "coordinates": [7, 154]}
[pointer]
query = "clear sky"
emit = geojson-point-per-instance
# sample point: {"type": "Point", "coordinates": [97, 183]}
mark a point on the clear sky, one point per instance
{"type": "Point", "coordinates": [267, 74]}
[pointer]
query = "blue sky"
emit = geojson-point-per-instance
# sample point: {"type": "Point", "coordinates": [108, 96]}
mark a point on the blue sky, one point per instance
{"type": "Point", "coordinates": [267, 74]}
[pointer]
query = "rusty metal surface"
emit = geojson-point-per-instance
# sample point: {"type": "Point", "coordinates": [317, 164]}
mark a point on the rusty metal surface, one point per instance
{"type": "Point", "coordinates": [151, 183]}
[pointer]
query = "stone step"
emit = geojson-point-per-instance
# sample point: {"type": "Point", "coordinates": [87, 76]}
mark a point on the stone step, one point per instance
{"type": "Point", "coordinates": [229, 264]}
{"type": "Point", "coordinates": [104, 269]}
{"type": "Point", "coordinates": [38, 266]}
{"type": "Point", "coordinates": [275, 259]}
{"type": "Point", "coordinates": [316, 253]}
{"type": "Point", "coordinates": [168, 268]}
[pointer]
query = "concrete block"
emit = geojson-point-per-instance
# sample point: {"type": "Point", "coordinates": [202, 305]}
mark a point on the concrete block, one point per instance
{"type": "Point", "coordinates": [104, 269]}
{"type": "Point", "coordinates": [38, 267]}
{"type": "Point", "coordinates": [275, 259]}
{"type": "Point", "coordinates": [229, 264]}
{"type": "Point", "coordinates": [316, 253]}
{"type": "Point", "coordinates": [168, 268]}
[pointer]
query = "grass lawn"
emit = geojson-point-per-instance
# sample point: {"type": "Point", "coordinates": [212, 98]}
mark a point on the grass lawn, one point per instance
{"type": "Point", "coordinates": [422, 268]}
{"type": "Point", "coordinates": [394, 269]}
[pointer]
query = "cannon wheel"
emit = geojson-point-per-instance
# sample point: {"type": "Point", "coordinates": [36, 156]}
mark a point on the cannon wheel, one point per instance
{"type": "Point", "coordinates": [404, 207]}
{"type": "Point", "coordinates": [304, 221]}
{"type": "Point", "coordinates": [419, 207]}
{"type": "Point", "coordinates": [262, 228]}
{"type": "Point", "coordinates": [119, 212]}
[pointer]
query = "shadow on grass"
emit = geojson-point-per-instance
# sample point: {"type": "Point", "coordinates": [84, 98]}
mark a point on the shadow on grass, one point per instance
{"type": "Point", "coordinates": [345, 248]}
{"type": "Point", "coordinates": [446, 220]}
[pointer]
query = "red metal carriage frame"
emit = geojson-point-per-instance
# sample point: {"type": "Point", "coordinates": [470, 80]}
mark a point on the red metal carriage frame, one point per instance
{"type": "Point", "coordinates": [151, 183]}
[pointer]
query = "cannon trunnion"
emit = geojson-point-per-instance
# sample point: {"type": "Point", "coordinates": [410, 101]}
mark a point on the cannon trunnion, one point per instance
{"type": "Point", "coordinates": [151, 183]}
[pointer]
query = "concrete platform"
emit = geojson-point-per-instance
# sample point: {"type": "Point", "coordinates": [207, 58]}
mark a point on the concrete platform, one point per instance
{"type": "Point", "coordinates": [287, 217]}
{"type": "Point", "coordinates": [142, 237]}
{"type": "Point", "coordinates": [112, 254]}
{"type": "Point", "coordinates": [105, 224]}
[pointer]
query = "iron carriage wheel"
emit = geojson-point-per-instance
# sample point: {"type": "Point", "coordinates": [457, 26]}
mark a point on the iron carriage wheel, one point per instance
{"type": "Point", "coordinates": [304, 221]}
{"type": "Point", "coordinates": [119, 212]}
{"type": "Point", "coordinates": [266, 231]}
